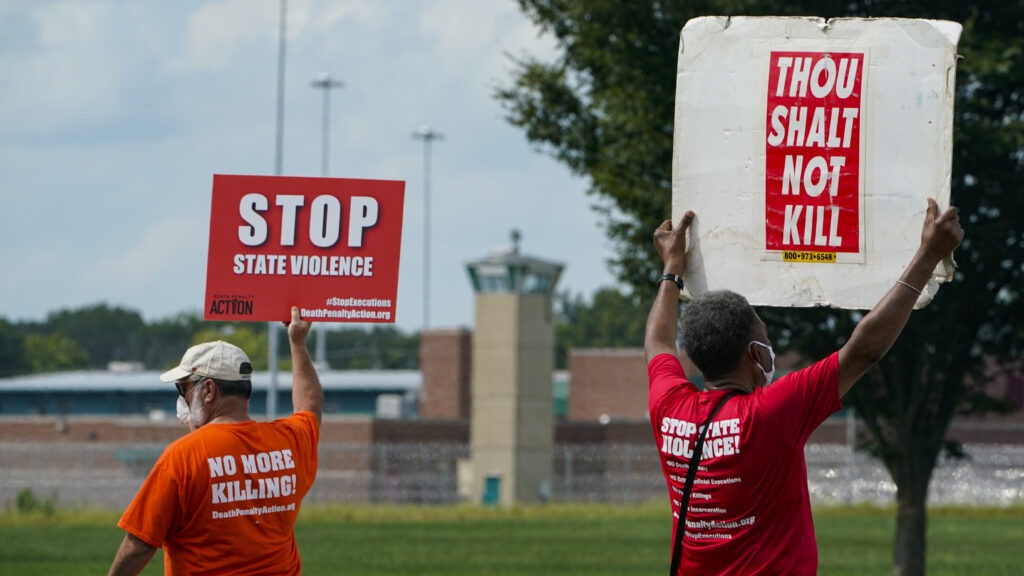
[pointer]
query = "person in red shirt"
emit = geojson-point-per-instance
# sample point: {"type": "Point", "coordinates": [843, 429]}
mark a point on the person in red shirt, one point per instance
{"type": "Point", "coordinates": [224, 498]}
{"type": "Point", "coordinates": [749, 510]}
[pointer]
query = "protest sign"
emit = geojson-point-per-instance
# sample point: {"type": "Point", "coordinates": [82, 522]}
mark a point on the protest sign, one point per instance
{"type": "Point", "coordinates": [808, 149]}
{"type": "Point", "coordinates": [327, 245]}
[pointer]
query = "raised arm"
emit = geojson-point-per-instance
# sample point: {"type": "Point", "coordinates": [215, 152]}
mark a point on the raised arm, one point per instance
{"type": "Point", "coordinates": [306, 391]}
{"type": "Point", "coordinates": [877, 332]}
{"type": "Point", "coordinates": [660, 335]}
{"type": "Point", "coordinates": [131, 557]}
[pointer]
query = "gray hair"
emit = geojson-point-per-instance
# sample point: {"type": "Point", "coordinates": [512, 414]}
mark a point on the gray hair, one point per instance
{"type": "Point", "coordinates": [241, 388]}
{"type": "Point", "coordinates": [717, 327]}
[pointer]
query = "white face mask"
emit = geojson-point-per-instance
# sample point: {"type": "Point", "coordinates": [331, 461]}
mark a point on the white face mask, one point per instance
{"type": "Point", "coordinates": [184, 416]}
{"type": "Point", "coordinates": [770, 374]}
{"type": "Point", "coordinates": [191, 417]}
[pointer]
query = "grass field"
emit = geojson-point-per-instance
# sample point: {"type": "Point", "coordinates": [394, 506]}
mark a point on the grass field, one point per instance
{"type": "Point", "coordinates": [590, 540]}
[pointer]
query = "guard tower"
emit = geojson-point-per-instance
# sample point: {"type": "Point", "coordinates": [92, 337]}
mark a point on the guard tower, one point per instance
{"type": "Point", "coordinates": [512, 420]}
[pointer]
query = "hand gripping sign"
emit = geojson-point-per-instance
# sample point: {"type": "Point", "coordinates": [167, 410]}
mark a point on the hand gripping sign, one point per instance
{"type": "Point", "coordinates": [808, 148]}
{"type": "Point", "coordinates": [327, 245]}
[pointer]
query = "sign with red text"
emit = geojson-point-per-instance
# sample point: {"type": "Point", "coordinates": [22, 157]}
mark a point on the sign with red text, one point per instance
{"type": "Point", "coordinates": [330, 246]}
{"type": "Point", "coordinates": [808, 149]}
{"type": "Point", "coordinates": [812, 160]}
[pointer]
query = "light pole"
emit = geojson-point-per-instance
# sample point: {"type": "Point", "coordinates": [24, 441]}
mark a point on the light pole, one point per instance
{"type": "Point", "coordinates": [326, 83]}
{"type": "Point", "coordinates": [272, 328]}
{"type": "Point", "coordinates": [427, 135]}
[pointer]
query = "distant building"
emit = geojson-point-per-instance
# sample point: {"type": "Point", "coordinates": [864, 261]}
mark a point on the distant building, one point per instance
{"type": "Point", "coordinates": [382, 393]}
{"type": "Point", "coordinates": [391, 436]}
{"type": "Point", "coordinates": [601, 386]}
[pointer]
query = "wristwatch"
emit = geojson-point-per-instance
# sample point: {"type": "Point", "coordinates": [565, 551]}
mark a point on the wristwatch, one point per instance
{"type": "Point", "coordinates": [673, 277]}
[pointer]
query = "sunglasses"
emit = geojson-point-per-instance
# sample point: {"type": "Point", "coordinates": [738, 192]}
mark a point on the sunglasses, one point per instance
{"type": "Point", "coordinates": [183, 386]}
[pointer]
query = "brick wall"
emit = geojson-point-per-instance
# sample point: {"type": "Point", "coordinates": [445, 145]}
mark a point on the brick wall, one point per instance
{"type": "Point", "coordinates": [446, 363]}
{"type": "Point", "coordinates": [367, 431]}
{"type": "Point", "coordinates": [610, 382]}
{"type": "Point", "coordinates": [140, 430]}
{"type": "Point", "coordinates": [86, 429]}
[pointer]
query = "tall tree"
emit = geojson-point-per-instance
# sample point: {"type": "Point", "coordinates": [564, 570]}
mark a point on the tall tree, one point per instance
{"type": "Point", "coordinates": [604, 107]}
{"type": "Point", "coordinates": [253, 342]}
{"type": "Point", "coordinates": [106, 333]}
{"type": "Point", "coordinates": [54, 353]}
{"type": "Point", "coordinates": [377, 348]}
{"type": "Point", "coordinates": [166, 339]}
{"type": "Point", "coordinates": [611, 319]}
{"type": "Point", "coordinates": [12, 350]}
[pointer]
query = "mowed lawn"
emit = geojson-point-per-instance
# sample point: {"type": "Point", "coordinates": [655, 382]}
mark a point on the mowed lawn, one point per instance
{"type": "Point", "coordinates": [587, 540]}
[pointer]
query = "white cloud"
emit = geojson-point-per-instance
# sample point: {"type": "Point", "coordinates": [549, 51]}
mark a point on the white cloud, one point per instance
{"type": "Point", "coordinates": [478, 37]}
{"type": "Point", "coordinates": [226, 33]}
{"type": "Point", "coordinates": [168, 263]}
{"type": "Point", "coordinates": [30, 275]}
{"type": "Point", "coordinates": [151, 117]}
{"type": "Point", "coordinates": [330, 14]}
{"type": "Point", "coordinates": [65, 75]}
{"type": "Point", "coordinates": [218, 31]}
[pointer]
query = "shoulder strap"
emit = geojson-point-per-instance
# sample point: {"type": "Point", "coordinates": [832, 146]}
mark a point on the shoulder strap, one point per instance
{"type": "Point", "coordinates": [691, 474]}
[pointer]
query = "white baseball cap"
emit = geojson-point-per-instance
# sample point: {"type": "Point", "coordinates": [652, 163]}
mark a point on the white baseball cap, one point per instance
{"type": "Point", "coordinates": [218, 360]}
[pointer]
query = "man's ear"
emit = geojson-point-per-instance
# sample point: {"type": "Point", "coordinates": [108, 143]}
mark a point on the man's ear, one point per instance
{"type": "Point", "coordinates": [209, 391]}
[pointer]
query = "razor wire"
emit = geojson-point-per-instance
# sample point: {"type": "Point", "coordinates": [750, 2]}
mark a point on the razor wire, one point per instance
{"type": "Point", "coordinates": [107, 475]}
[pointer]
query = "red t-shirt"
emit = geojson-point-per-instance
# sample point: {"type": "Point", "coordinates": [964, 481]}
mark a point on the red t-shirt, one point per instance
{"type": "Point", "coordinates": [224, 499]}
{"type": "Point", "coordinates": [749, 510]}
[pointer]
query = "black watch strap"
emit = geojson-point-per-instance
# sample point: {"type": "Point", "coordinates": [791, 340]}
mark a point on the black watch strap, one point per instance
{"type": "Point", "coordinates": [677, 279]}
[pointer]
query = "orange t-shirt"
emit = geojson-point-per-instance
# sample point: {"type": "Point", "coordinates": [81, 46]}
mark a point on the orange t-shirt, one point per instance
{"type": "Point", "coordinates": [224, 499]}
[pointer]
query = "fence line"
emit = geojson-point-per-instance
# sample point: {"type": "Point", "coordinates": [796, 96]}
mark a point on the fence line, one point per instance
{"type": "Point", "coordinates": [107, 475]}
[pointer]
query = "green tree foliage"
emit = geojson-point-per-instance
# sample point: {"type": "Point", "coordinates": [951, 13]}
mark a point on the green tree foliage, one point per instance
{"type": "Point", "coordinates": [604, 107]}
{"type": "Point", "coordinates": [611, 320]}
{"type": "Point", "coordinates": [89, 338]}
{"type": "Point", "coordinates": [53, 353]}
{"type": "Point", "coordinates": [105, 333]}
{"type": "Point", "coordinates": [12, 350]}
{"type": "Point", "coordinates": [376, 348]}
{"type": "Point", "coordinates": [167, 339]}
{"type": "Point", "coordinates": [253, 342]}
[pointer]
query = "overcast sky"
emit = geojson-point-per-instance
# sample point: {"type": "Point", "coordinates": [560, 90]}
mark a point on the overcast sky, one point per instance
{"type": "Point", "coordinates": [115, 114]}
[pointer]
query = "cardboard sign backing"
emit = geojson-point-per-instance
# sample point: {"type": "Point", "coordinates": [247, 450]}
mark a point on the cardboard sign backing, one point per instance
{"type": "Point", "coordinates": [807, 149]}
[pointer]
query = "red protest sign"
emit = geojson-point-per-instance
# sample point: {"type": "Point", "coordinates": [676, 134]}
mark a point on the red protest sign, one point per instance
{"type": "Point", "coordinates": [327, 245]}
{"type": "Point", "coordinates": [813, 160]}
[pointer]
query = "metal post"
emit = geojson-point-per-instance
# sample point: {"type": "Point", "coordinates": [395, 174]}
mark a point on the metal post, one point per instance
{"type": "Point", "coordinates": [851, 461]}
{"type": "Point", "coordinates": [627, 472]}
{"type": "Point", "coordinates": [326, 83]}
{"type": "Point", "coordinates": [272, 327]}
{"type": "Point", "coordinates": [427, 135]}
{"type": "Point", "coordinates": [568, 473]}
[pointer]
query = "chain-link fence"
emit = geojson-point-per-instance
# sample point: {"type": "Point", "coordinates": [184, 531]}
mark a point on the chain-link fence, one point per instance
{"type": "Point", "coordinates": [108, 475]}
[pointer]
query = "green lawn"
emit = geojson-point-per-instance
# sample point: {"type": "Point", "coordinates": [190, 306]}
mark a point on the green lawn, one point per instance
{"type": "Point", "coordinates": [563, 539]}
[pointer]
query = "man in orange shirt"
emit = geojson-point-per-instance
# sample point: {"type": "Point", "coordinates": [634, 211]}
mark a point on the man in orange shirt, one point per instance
{"type": "Point", "coordinates": [224, 498]}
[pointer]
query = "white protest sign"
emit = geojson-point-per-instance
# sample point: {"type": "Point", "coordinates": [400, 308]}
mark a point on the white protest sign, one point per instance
{"type": "Point", "coordinates": [808, 149]}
